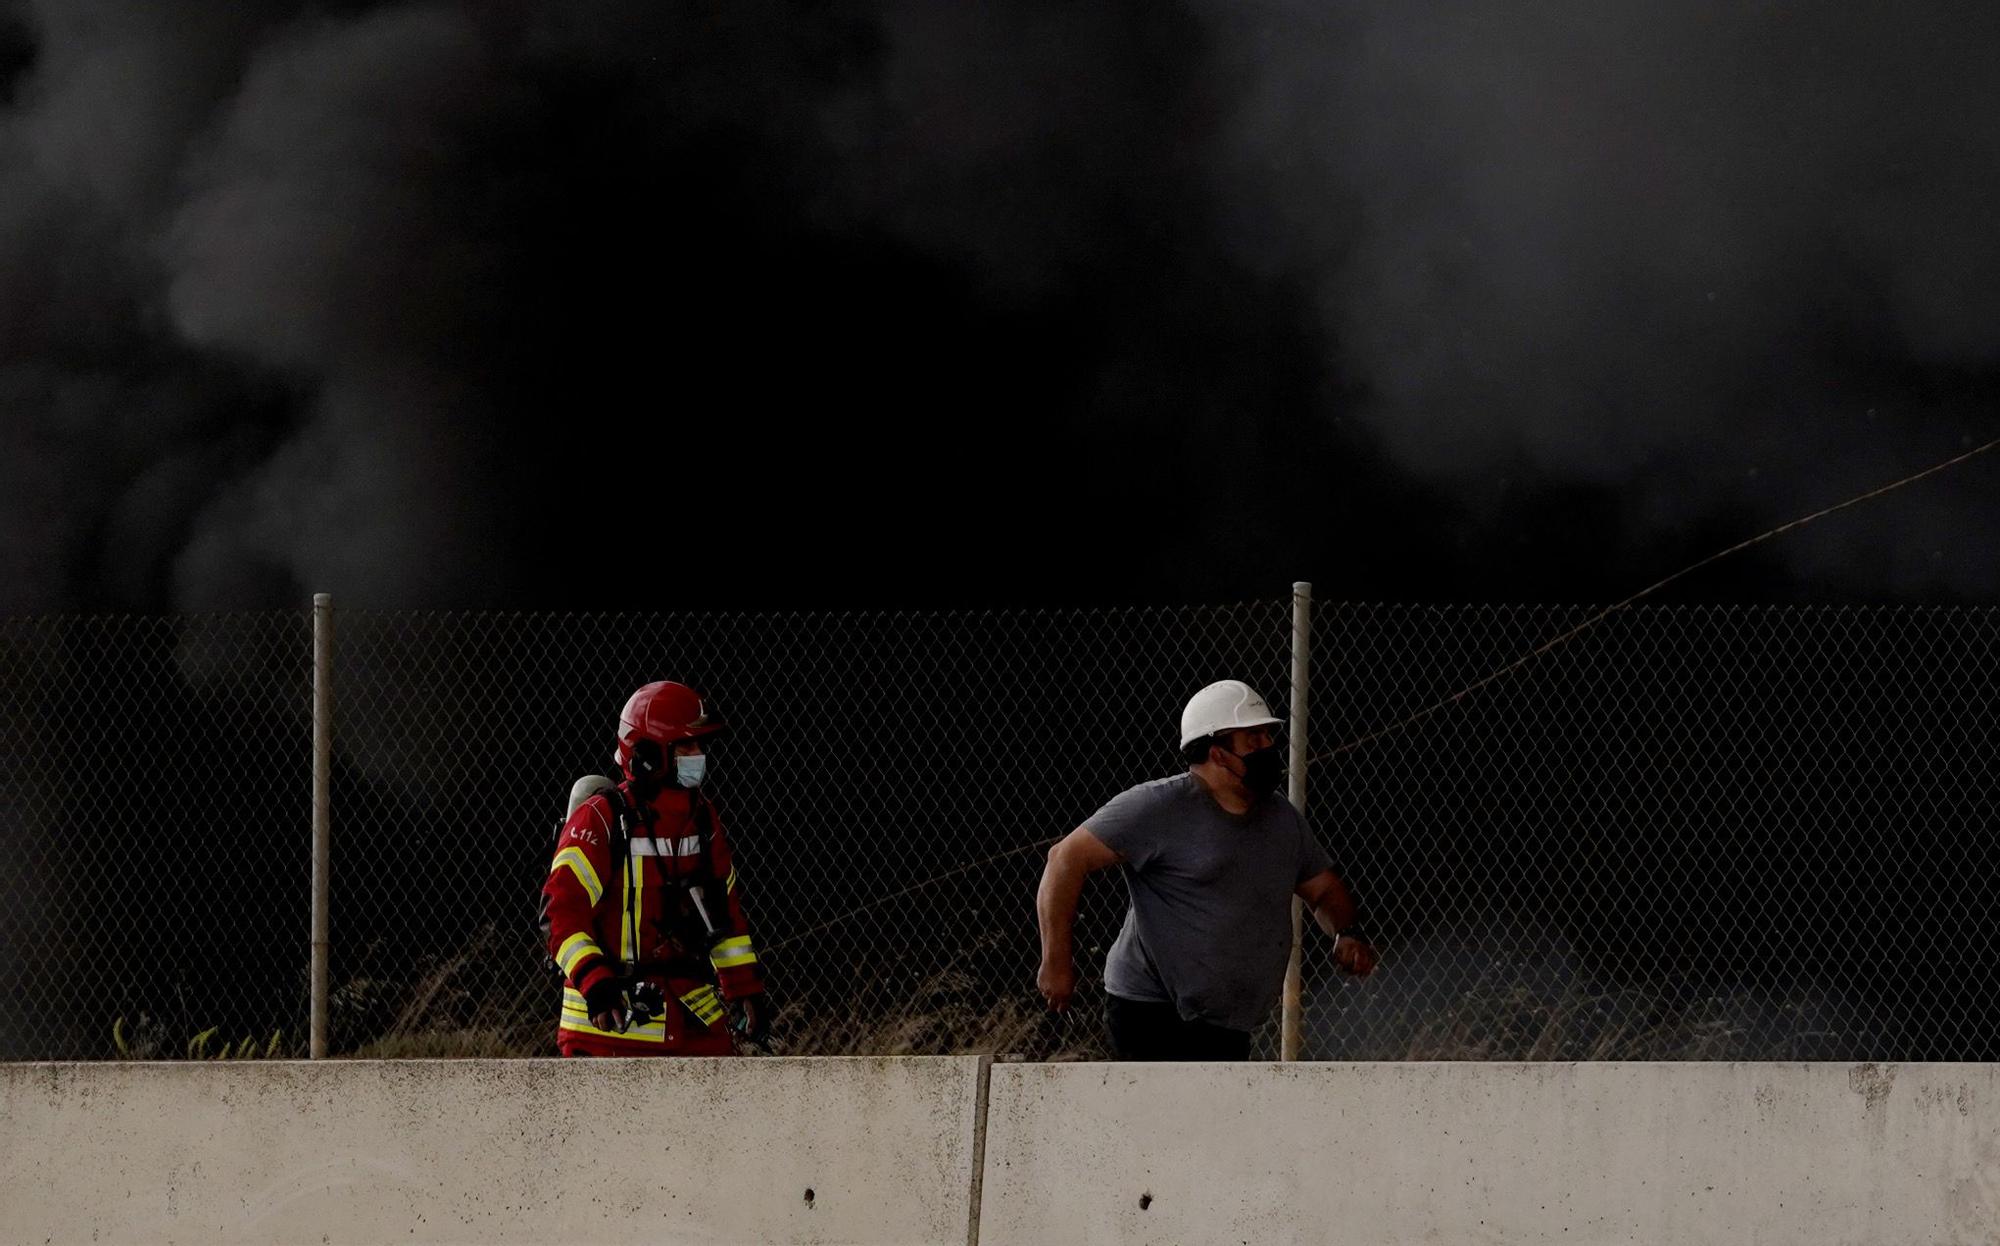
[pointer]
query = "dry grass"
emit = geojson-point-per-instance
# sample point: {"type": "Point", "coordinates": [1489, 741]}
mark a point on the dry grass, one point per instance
{"type": "Point", "coordinates": [1515, 1023]}
{"type": "Point", "coordinates": [446, 1010]}
{"type": "Point", "coordinates": [455, 1007]}
{"type": "Point", "coordinates": [449, 1007]}
{"type": "Point", "coordinates": [950, 1013]}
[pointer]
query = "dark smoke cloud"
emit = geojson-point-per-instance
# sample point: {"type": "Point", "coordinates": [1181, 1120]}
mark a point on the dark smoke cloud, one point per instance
{"type": "Point", "coordinates": [321, 237]}
{"type": "Point", "coordinates": [107, 417]}
{"type": "Point", "coordinates": [1704, 254]}
{"type": "Point", "coordinates": [1434, 301]}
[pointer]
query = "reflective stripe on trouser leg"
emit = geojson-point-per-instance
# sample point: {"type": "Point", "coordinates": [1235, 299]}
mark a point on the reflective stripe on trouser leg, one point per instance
{"type": "Point", "coordinates": [704, 1003]}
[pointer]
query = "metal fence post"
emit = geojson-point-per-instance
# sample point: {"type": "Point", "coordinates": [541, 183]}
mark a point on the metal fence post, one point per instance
{"type": "Point", "coordinates": [1301, 668]}
{"type": "Point", "coordinates": [322, 787]}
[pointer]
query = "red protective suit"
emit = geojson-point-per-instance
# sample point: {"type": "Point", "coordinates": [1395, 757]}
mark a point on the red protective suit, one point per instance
{"type": "Point", "coordinates": [641, 913]}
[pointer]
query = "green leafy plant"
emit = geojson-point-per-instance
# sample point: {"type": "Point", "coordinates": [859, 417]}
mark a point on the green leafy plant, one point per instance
{"type": "Point", "coordinates": [146, 1039]}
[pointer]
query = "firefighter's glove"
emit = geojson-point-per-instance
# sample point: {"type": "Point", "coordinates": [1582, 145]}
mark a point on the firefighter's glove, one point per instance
{"type": "Point", "coordinates": [755, 1024]}
{"type": "Point", "coordinates": [606, 1005]}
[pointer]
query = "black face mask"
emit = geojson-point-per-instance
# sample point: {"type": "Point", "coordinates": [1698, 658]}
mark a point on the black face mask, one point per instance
{"type": "Point", "coordinates": [1262, 768]}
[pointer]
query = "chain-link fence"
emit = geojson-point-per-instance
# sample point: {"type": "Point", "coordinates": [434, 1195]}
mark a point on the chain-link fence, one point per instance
{"type": "Point", "coordinates": [1689, 833]}
{"type": "Point", "coordinates": [155, 810]}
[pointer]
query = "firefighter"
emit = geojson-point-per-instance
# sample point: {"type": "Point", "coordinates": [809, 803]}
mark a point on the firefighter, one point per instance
{"type": "Point", "coordinates": [645, 911]}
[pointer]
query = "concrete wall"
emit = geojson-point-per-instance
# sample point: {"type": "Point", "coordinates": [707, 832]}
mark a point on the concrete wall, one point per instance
{"type": "Point", "coordinates": [541, 1151]}
{"type": "Point", "coordinates": [723, 1151]}
{"type": "Point", "coordinates": [1685, 1153]}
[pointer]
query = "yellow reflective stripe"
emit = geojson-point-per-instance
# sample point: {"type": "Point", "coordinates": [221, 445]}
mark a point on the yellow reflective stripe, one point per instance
{"type": "Point", "coordinates": [633, 908]}
{"type": "Point", "coordinates": [651, 1032]}
{"type": "Point", "coordinates": [704, 1004]}
{"type": "Point", "coordinates": [574, 949]}
{"type": "Point", "coordinates": [733, 952]}
{"type": "Point", "coordinates": [580, 866]}
{"type": "Point", "coordinates": [729, 884]}
{"type": "Point", "coordinates": [575, 1016]}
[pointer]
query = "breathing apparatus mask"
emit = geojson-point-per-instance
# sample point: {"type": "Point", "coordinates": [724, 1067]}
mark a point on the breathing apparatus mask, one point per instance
{"type": "Point", "coordinates": [650, 764]}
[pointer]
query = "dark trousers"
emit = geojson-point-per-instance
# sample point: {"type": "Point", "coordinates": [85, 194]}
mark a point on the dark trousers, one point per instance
{"type": "Point", "coordinates": [1141, 1031]}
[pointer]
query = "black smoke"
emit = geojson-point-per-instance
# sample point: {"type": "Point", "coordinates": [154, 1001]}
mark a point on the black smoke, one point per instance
{"type": "Point", "coordinates": [1704, 257]}
{"type": "Point", "coordinates": [621, 303]}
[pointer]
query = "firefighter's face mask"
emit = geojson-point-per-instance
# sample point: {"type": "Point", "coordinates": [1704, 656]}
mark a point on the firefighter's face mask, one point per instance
{"type": "Point", "coordinates": [690, 771]}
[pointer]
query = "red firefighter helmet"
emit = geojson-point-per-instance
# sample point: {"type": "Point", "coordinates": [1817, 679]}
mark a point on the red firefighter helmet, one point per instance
{"type": "Point", "coordinates": [662, 713]}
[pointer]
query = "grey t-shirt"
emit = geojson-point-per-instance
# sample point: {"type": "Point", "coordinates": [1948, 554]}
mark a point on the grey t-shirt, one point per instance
{"type": "Point", "coordinates": [1210, 924]}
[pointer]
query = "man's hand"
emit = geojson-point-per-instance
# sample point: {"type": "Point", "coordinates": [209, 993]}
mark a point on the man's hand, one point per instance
{"type": "Point", "coordinates": [1355, 956]}
{"type": "Point", "coordinates": [756, 1026]}
{"type": "Point", "coordinates": [1057, 984]}
{"type": "Point", "coordinates": [607, 1007]}
{"type": "Point", "coordinates": [1333, 909]}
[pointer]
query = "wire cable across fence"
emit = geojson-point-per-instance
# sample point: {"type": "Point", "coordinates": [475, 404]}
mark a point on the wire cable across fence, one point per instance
{"type": "Point", "coordinates": [1667, 838]}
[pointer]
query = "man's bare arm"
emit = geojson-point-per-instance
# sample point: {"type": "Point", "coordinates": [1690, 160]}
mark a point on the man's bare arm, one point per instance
{"type": "Point", "coordinates": [1327, 897]}
{"type": "Point", "coordinates": [1333, 908]}
{"type": "Point", "coordinates": [1074, 857]}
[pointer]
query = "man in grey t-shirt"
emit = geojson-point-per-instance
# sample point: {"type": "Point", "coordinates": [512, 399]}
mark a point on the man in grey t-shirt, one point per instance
{"type": "Point", "coordinates": [1211, 858]}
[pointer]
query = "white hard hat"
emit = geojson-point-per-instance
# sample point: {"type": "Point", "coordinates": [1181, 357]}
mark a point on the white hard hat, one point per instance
{"type": "Point", "coordinates": [1224, 706]}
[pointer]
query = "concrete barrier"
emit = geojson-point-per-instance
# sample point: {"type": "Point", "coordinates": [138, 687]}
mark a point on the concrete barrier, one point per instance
{"type": "Point", "coordinates": [713, 1152]}
{"type": "Point", "coordinates": [696, 1151]}
{"type": "Point", "coordinates": [1725, 1153]}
